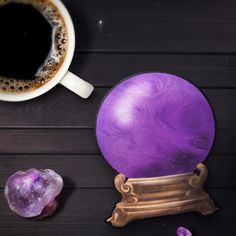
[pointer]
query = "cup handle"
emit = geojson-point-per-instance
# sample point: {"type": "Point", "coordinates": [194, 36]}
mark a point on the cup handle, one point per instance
{"type": "Point", "coordinates": [77, 85]}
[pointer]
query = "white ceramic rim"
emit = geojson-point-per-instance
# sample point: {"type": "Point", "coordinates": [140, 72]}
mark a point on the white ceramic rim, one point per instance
{"type": "Point", "coordinates": [11, 97]}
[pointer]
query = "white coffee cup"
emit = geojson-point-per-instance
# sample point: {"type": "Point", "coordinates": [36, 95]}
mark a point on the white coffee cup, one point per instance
{"type": "Point", "coordinates": [63, 76]}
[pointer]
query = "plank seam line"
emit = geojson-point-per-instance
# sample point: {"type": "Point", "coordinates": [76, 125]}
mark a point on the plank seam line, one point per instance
{"type": "Point", "coordinates": [125, 52]}
{"type": "Point", "coordinates": [108, 188]}
{"type": "Point", "coordinates": [68, 128]}
{"type": "Point", "coordinates": [201, 87]}
{"type": "Point", "coordinates": [94, 155]}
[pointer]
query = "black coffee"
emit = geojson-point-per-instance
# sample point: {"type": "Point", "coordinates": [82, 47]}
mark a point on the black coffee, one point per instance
{"type": "Point", "coordinates": [25, 42]}
{"type": "Point", "coordinates": [33, 44]}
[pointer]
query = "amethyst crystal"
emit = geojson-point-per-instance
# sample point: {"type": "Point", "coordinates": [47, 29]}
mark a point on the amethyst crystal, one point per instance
{"type": "Point", "coordinates": [33, 192]}
{"type": "Point", "coordinates": [181, 231]}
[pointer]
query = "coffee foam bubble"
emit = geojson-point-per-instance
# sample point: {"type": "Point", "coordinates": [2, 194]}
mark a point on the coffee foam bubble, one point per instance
{"type": "Point", "coordinates": [56, 55]}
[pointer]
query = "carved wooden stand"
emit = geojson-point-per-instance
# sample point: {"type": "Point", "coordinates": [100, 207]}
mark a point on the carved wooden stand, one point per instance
{"type": "Point", "coordinates": [151, 197]}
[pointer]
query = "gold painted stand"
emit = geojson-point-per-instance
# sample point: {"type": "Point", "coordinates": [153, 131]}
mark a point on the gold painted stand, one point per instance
{"type": "Point", "coordinates": [151, 197]}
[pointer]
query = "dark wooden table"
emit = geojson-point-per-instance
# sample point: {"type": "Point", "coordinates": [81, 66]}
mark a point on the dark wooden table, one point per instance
{"type": "Point", "coordinates": [193, 39]}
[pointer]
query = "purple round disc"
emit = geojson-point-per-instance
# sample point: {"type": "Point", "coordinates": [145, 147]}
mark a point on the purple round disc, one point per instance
{"type": "Point", "coordinates": [155, 124]}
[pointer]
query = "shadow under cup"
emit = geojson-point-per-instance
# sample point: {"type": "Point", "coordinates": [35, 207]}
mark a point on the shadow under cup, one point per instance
{"type": "Point", "coordinates": [33, 44]}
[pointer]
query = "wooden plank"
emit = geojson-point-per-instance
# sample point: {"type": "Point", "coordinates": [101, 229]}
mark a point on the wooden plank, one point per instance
{"type": "Point", "coordinates": [78, 171]}
{"type": "Point", "coordinates": [48, 141]}
{"type": "Point", "coordinates": [151, 26]}
{"type": "Point", "coordinates": [60, 108]}
{"type": "Point", "coordinates": [107, 69]}
{"type": "Point", "coordinates": [80, 141]}
{"type": "Point", "coordinates": [83, 212]}
{"type": "Point", "coordinates": [92, 171]}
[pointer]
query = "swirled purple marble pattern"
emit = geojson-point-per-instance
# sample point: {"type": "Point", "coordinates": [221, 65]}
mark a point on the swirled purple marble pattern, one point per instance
{"type": "Point", "coordinates": [155, 124]}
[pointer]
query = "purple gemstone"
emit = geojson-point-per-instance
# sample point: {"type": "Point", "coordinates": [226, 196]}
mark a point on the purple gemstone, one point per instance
{"type": "Point", "coordinates": [33, 192]}
{"type": "Point", "coordinates": [155, 124]}
{"type": "Point", "coordinates": [181, 231]}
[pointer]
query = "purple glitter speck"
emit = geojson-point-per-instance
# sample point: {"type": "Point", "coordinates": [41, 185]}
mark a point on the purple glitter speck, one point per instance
{"type": "Point", "coordinates": [181, 231]}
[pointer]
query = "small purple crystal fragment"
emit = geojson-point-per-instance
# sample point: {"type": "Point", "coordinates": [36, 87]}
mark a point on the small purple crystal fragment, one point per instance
{"type": "Point", "coordinates": [33, 193]}
{"type": "Point", "coordinates": [181, 231]}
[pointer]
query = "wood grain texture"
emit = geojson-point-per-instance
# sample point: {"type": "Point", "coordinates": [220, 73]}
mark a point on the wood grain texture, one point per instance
{"type": "Point", "coordinates": [154, 26]}
{"type": "Point", "coordinates": [81, 141]}
{"type": "Point", "coordinates": [92, 171]}
{"type": "Point", "coordinates": [84, 211]}
{"type": "Point", "coordinates": [61, 108]}
{"type": "Point", "coordinates": [107, 69]}
{"type": "Point", "coordinates": [193, 39]}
